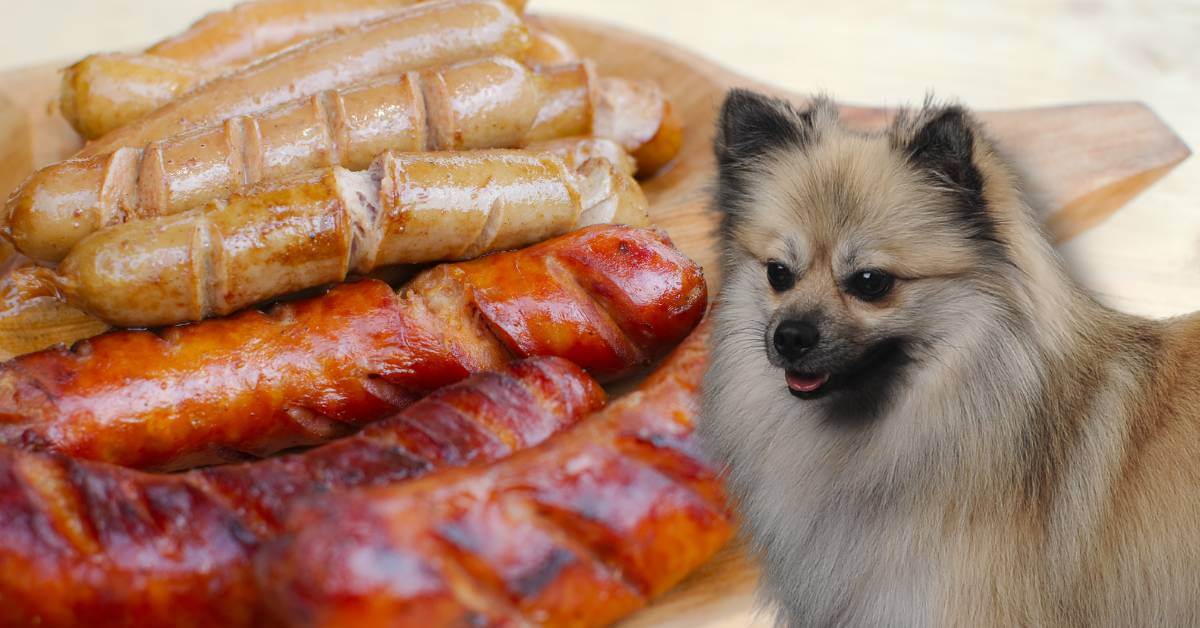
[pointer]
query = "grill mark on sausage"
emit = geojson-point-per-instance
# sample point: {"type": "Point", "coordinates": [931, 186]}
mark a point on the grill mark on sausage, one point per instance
{"type": "Point", "coordinates": [153, 192]}
{"type": "Point", "coordinates": [118, 186]}
{"type": "Point", "coordinates": [331, 116]}
{"type": "Point", "coordinates": [481, 596]}
{"type": "Point", "coordinates": [424, 126]}
{"type": "Point", "coordinates": [617, 336]}
{"type": "Point", "coordinates": [48, 484]}
{"type": "Point", "coordinates": [557, 529]}
{"type": "Point", "coordinates": [315, 425]}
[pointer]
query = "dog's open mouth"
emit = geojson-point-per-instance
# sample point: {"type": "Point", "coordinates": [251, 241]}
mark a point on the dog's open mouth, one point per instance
{"type": "Point", "coordinates": [806, 385]}
{"type": "Point", "coordinates": [878, 366]}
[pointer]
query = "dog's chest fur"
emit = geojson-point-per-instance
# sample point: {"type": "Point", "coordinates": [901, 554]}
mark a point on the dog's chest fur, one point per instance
{"type": "Point", "coordinates": [845, 543]}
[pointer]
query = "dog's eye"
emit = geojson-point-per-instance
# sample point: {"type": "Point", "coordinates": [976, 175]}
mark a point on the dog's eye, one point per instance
{"type": "Point", "coordinates": [780, 276]}
{"type": "Point", "coordinates": [869, 285]}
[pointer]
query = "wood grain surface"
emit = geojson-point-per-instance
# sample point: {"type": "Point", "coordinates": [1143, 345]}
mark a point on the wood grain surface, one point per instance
{"type": "Point", "coordinates": [1080, 163]}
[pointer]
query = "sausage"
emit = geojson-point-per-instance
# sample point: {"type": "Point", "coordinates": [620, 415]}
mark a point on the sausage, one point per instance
{"type": "Point", "coordinates": [60, 204]}
{"type": "Point", "coordinates": [315, 229]}
{"type": "Point", "coordinates": [546, 47]}
{"type": "Point", "coordinates": [104, 91]}
{"type": "Point", "coordinates": [432, 110]}
{"type": "Point", "coordinates": [424, 35]}
{"type": "Point", "coordinates": [86, 543]}
{"type": "Point", "coordinates": [654, 136]}
{"type": "Point", "coordinates": [579, 531]}
{"type": "Point", "coordinates": [252, 30]}
{"type": "Point", "coordinates": [608, 298]}
{"type": "Point", "coordinates": [33, 315]}
{"type": "Point", "coordinates": [575, 151]}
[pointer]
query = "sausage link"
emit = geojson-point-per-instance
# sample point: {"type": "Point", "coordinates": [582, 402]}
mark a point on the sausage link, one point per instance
{"type": "Point", "coordinates": [546, 46]}
{"type": "Point", "coordinates": [638, 116]}
{"type": "Point", "coordinates": [252, 30]}
{"type": "Point", "coordinates": [607, 298]}
{"type": "Point", "coordinates": [104, 91]}
{"type": "Point", "coordinates": [490, 103]}
{"type": "Point", "coordinates": [424, 35]}
{"type": "Point", "coordinates": [574, 151]}
{"type": "Point", "coordinates": [316, 229]}
{"type": "Point", "coordinates": [579, 531]}
{"type": "Point", "coordinates": [33, 315]}
{"type": "Point", "coordinates": [88, 543]}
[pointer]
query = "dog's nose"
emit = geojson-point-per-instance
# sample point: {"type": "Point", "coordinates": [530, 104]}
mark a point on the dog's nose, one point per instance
{"type": "Point", "coordinates": [794, 338]}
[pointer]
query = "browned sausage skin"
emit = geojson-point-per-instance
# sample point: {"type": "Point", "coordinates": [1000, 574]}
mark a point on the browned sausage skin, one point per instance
{"type": "Point", "coordinates": [579, 531]}
{"type": "Point", "coordinates": [84, 543]}
{"type": "Point", "coordinates": [608, 298]}
{"type": "Point", "coordinates": [422, 36]}
{"type": "Point", "coordinates": [252, 30]}
{"type": "Point", "coordinates": [104, 91]}
{"type": "Point", "coordinates": [441, 109]}
{"type": "Point", "coordinates": [311, 230]}
{"type": "Point", "coordinates": [33, 315]}
{"type": "Point", "coordinates": [416, 111]}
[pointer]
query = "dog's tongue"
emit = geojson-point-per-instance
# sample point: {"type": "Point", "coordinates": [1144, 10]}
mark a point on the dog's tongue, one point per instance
{"type": "Point", "coordinates": [805, 383]}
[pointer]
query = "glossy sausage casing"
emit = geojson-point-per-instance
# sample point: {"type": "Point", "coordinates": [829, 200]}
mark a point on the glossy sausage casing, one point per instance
{"type": "Point", "coordinates": [424, 35]}
{"type": "Point", "coordinates": [105, 91]}
{"type": "Point", "coordinates": [489, 103]}
{"type": "Point", "coordinates": [607, 298]}
{"type": "Point", "coordinates": [579, 531]}
{"type": "Point", "coordinates": [251, 30]}
{"type": "Point", "coordinates": [95, 101]}
{"type": "Point", "coordinates": [91, 544]}
{"type": "Point", "coordinates": [35, 317]}
{"type": "Point", "coordinates": [315, 229]}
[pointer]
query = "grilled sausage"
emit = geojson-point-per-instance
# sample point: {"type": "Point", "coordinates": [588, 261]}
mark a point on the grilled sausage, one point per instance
{"type": "Point", "coordinates": [607, 298]}
{"type": "Point", "coordinates": [491, 103]}
{"type": "Point", "coordinates": [86, 543]}
{"type": "Point", "coordinates": [546, 47]}
{"type": "Point", "coordinates": [579, 531]}
{"type": "Point", "coordinates": [416, 111]}
{"type": "Point", "coordinates": [105, 91]}
{"type": "Point", "coordinates": [654, 136]}
{"type": "Point", "coordinates": [425, 35]}
{"type": "Point", "coordinates": [575, 151]}
{"type": "Point", "coordinates": [315, 229]}
{"type": "Point", "coordinates": [33, 315]}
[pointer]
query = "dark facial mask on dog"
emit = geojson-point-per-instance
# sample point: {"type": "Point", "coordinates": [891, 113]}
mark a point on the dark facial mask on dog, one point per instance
{"type": "Point", "coordinates": [848, 253]}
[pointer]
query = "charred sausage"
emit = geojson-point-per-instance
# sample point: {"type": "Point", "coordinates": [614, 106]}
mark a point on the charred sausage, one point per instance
{"type": "Point", "coordinates": [607, 298]}
{"type": "Point", "coordinates": [579, 531]}
{"type": "Point", "coordinates": [87, 543]}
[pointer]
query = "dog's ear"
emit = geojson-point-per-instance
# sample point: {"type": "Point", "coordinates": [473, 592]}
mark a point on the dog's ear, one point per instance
{"type": "Point", "coordinates": [751, 124]}
{"type": "Point", "coordinates": [944, 145]}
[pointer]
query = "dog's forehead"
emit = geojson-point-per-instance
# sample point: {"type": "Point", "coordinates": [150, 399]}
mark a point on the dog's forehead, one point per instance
{"type": "Point", "coordinates": [845, 197]}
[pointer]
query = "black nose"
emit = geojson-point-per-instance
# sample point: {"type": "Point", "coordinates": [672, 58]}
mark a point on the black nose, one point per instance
{"type": "Point", "coordinates": [794, 338]}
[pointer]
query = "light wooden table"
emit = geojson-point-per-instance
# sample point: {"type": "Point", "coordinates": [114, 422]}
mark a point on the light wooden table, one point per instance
{"type": "Point", "coordinates": [986, 54]}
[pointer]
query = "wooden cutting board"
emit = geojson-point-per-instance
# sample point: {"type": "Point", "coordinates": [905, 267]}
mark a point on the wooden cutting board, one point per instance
{"type": "Point", "coordinates": [1080, 163]}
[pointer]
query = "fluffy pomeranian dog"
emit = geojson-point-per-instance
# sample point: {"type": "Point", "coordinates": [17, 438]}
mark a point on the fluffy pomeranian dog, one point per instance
{"type": "Point", "coordinates": [924, 421]}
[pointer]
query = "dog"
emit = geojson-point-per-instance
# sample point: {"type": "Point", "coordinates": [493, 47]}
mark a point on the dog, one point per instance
{"type": "Point", "coordinates": [923, 420]}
